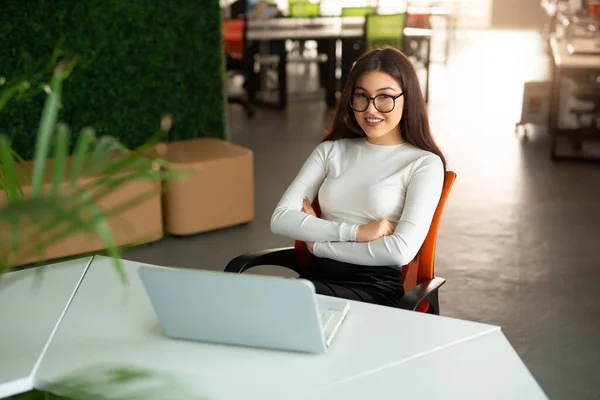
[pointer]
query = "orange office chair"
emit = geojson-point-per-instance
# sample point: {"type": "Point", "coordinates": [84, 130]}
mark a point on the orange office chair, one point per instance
{"type": "Point", "coordinates": [420, 284]}
{"type": "Point", "coordinates": [233, 37]}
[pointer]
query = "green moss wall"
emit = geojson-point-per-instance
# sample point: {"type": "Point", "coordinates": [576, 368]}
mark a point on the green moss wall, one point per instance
{"type": "Point", "coordinates": [136, 60]}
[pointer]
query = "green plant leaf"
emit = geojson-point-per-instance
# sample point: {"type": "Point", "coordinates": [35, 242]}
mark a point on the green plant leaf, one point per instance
{"type": "Point", "coordinates": [10, 177]}
{"type": "Point", "coordinates": [86, 138]}
{"type": "Point", "coordinates": [104, 232]}
{"type": "Point", "coordinates": [11, 187]}
{"type": "Point", "coordinates": [41, 73]}
{"type": "Point", "coordinates": [13, 91]}
{"type": "Point", "coordinates": [47, 125]}
{"type": "Point", "coordinates": [70, 66]}
{"type": "Point", "coordinates": [106, 382]}
{"type": "Point", "coordinates": [105, 148]}
{"type": "Point", "coordinates": [60, 156]}
{"type": "Point", "coordinates": [26, 173]}
{"type": "Point", "coordinates": [139, 154]}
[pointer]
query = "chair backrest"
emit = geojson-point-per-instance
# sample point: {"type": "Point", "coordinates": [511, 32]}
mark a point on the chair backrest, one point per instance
{"type": "Point", "coordinates": [421, 268]}
{"type": "Point", "coordinates": [422, 21]}
{"type": "Point", "coordinates": [427, 252]}
{"type": "Point", "coordinates": [304, 8]}
{"type": "Point", "coordinates": [385, 30]}
{"type": "Point", "coordinates": [358, 11]}
{"type": "Point", "coordinates": [233, 37]}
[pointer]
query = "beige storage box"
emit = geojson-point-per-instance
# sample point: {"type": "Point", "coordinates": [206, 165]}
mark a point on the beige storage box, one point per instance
{"type": "Point", "coordinates": [139, 224]}
{"type": "Point", "coordinates": [219, 192]}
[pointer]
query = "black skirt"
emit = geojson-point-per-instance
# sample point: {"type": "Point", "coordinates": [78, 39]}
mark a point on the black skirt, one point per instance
{"type": "Point", "coordinates": [371, 284]}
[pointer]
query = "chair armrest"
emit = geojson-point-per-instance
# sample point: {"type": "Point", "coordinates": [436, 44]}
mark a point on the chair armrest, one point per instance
{"type": "Point", "coordinates": [283, 257]}
{"type": "Point", "coordinates": [424, 290]}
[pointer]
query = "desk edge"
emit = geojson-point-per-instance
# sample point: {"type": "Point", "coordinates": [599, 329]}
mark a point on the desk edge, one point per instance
{"type": "Point", "coordinates": [60, 319]}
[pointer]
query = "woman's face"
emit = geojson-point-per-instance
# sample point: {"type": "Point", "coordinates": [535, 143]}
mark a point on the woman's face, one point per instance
{"type": "Point", "coordinates": [379, 118]}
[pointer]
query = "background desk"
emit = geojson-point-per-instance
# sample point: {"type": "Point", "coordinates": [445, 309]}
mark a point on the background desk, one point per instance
{"type": "Point", "coordinates": [358, 22]}
{"type": "Point", "coordinates": [32, 303]}
{"type": "Point", "coordinates": [109, 323]}
{"type": "Point", "coordinates": [328, 30]}
{"type": "Point", "coordinates": [565, 64]}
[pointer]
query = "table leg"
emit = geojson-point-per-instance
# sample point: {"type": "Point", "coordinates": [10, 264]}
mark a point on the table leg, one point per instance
{"type": "Point", "coordinates": [346, 62]}
{"type": "Point", "coordinates": [322, 49]}
{"type": "Point", "coordinates": [554, 108]}
{"type": "Point", "coordinates": [351, 50]}
{"type": "Point", "coordinates": [252, 78]}
{"type": "Point", "coordinates": [282, 75]}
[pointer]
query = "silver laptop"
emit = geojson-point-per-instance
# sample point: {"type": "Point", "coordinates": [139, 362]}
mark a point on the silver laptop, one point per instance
{"type": "Point", "coordinates": [243, 309]}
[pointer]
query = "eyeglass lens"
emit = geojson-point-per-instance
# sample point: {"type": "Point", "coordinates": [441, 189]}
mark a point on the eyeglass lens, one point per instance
{"type": "Point", "coordinates": [383, 103]}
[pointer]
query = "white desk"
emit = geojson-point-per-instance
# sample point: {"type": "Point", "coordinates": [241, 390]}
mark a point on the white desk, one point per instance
{"type": "Point", "coordinates": [295, 23]}
{"type": "Point", "coordinates": [323, 33]}
{"type": "Point", "coordinates": [486, 367]}
{"type": "Point", "coordinates": [315, 28]}
{"type": "Point", "coordinates": [438, 11]}
{"type": "Point", "coordinates": [298, 34]}
{"type": "Point", "coordinates": [549, 6]}
{"type": "Point", "coordinates": [300, 22]}
{"type": "Point", "coordinates": [329, 29]}
{"type": "Point", "coordinates": [564, 59]}
{"type": "Point", "coordinates": [108, 323]}
{"type": "Point", "coordinates": [31, 307]}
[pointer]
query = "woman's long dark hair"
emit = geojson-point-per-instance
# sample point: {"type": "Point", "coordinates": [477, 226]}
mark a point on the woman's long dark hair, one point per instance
{"type": "Point", "coordinates": [414, 125]}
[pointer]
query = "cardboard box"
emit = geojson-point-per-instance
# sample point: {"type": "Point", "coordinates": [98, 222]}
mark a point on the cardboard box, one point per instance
{"type": "Point", "coordinates": [536, 103]}
{"type": "Point", "coordinates": [218, 194]}
{"type": "Point", "coordinates": [141, 223]}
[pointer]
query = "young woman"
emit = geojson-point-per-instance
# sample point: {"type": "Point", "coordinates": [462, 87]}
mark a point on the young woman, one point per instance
{"type": "Point", "coordinates": [378, 175]}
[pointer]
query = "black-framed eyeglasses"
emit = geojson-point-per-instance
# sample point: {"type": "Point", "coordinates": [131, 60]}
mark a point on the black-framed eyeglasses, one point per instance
{"type": "Point", "coordinates": [384, 103]}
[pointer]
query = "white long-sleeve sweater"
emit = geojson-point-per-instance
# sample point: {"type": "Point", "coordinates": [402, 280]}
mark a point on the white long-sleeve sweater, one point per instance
{"type": "Point", "coordinates": [357, 183]}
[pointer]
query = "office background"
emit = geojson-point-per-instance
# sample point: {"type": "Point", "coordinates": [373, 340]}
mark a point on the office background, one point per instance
{"type": "Point", "coordinates": [518, 240]}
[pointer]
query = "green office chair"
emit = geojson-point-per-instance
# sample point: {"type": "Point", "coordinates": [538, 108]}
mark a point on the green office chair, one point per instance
{"type": "Point", "coordinates": [304, 8]}
{"type": "Point", "coordinates": [353, 48]}
{"type": "Point", "coordinates": [358, 11]}
{"type": "Point", "coordinates": [385, 30]}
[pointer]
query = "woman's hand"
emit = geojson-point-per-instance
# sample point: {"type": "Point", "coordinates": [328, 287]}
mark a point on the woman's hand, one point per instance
{"type": "Point", "coordinates": [307, 208]}
{"type": "Point", "coordinates": [310, 245]}
{"type": "Point", "coordinates": [374, 230]}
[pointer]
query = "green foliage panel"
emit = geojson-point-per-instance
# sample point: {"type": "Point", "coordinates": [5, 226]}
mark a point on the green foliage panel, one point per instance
{"type": "Point", "coordinates": [136, 60]}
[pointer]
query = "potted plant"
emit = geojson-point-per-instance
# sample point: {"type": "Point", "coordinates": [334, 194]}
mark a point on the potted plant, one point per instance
{"type": "Point", "coordinates": [52, 214]}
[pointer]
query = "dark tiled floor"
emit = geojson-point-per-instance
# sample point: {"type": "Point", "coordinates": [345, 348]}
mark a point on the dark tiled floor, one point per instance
{"type": "Point", "coordinates": [518, 242]}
